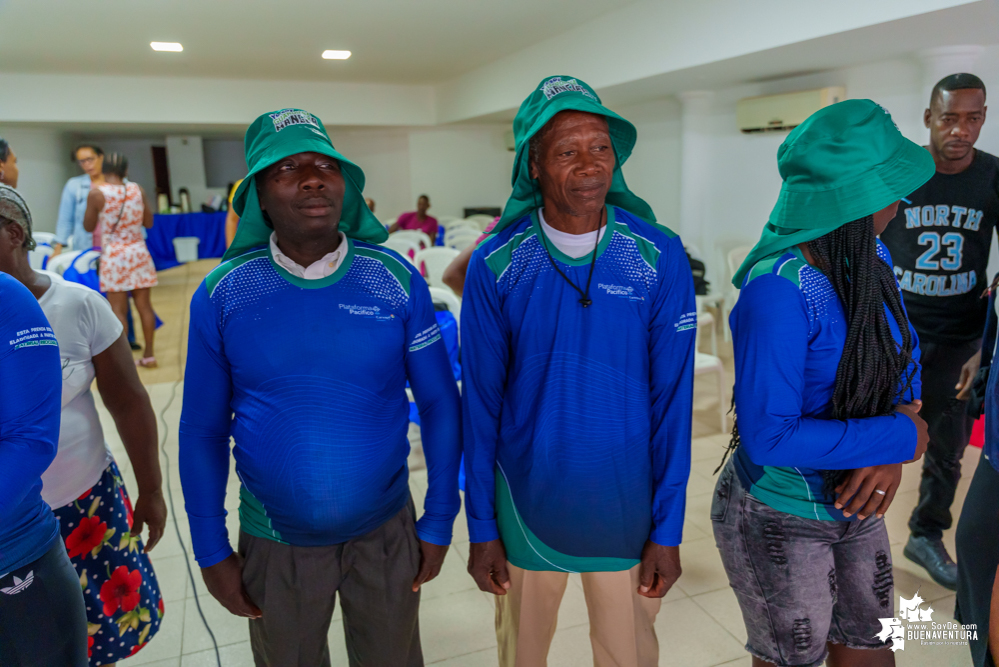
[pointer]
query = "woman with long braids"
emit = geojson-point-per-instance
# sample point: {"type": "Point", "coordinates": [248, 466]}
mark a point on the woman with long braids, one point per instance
{"type": "Point", "coordinates": [826, 398]}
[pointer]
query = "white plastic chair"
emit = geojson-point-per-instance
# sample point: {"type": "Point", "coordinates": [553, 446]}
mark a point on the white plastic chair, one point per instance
{"type": "Point", "coordinates": [481, 219]}
{"type": "Point", "coordinates": [459, 225]}
{"type": "Point", "coordinates": [433, 261]}
{"type": "Point", "coordinates": [706, 321]}
{"type": "Point", "coordinates": [448, 298]}
{"type": "Point", "coordinates": [388, 222]}
{"type": "Point", "coordinates": [38, 257]}
{"type": "Point", "coordinates": [709, 363]}
{"type": "Point", "coordinates": [405, 247]}
{"type": "Point", "coordinates": [461, 239]}
{"type": "Point", "coordinates": [47, 238]}
{"type": "Point", "coordinates": [420, 237]}
{"type": "Point", "coordinates": [445, 220]}
{"type": "Point", "coordinates": [61, 262]}
{"type": "Point", "coordinates": [736, 256]}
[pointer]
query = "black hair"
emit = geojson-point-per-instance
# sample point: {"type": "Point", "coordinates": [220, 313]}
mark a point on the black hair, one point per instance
{"type": "Point", "coordinates": [963, 81]}
{"type": "Point", "coordinates": [422, 197]}
{"type": "Point", "coordinates": [874, 370]}
{"type": "Point", "coordinates": [4, 150]}
{"type": "Point", "coordinates": [94, 147]}
{"type": "Point", "coordinates": [116, 164]}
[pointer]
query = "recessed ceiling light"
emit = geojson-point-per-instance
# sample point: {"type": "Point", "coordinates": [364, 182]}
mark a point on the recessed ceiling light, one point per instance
{"type": "Point", "coordinates": [335, 55]}
{"type": "Point", "coordinates": [166, 46]}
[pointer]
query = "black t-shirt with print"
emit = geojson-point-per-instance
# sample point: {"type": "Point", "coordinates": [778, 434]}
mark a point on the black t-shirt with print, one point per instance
{"type": "Point", "coordinates": [939, 242]}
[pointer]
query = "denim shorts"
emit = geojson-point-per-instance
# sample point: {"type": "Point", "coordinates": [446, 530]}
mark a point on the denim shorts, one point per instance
{"type": "Point", "coordinates": [801, 582]}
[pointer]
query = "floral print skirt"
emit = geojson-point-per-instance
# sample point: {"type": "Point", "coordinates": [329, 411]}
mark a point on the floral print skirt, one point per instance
{"type": "Point", "coordinates": [124, 606]}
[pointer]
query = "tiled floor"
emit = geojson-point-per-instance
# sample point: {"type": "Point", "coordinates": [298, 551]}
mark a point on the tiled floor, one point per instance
{"type": "Point", "coordinates": [699, 625]}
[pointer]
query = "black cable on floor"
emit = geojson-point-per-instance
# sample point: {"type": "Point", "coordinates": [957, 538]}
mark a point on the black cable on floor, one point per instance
{"type": "Point", "coordinates": [163, 439]}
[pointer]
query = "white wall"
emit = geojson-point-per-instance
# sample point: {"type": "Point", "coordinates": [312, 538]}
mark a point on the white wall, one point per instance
{"type": "Point", "coordinates": [744, 166]}
{"type": "Point", "coordinates": [43, 161]}
{"type": "Point", "coordinates": [186, 160]}
{"type": "Point", "coordinates": [460, 166]}
{"type": "Point", "coordinates": [653, 170]}
{"type": "Point", "coordinates": [225, 161]}
{"type": "Point", "coordinates": [384, 157]}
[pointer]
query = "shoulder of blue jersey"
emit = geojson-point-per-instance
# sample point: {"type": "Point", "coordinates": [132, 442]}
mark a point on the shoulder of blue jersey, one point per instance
{"type": "Point", "coordinates": [651, 239]}
{"type": "Point", "coordinates": [497, 250]}
{"type": "Point", "coordinates": [213, 279]}
{"type": "Point", "coordinates": [785, 264]}
{"type": "Point", "coordinates": [394, 263]}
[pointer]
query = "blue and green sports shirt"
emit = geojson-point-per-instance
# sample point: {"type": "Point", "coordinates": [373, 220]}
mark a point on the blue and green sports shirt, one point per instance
{"type": "Point", "coordinates": [577, 420]}
{"type": "Point", "coordinates": [789, 329]}
{"type": "Point", "coordinates": [309, 378]}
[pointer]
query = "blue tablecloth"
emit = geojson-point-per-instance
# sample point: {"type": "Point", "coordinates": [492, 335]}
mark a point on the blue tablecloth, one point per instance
{"type": "Point", "coordinates": [208, 227]}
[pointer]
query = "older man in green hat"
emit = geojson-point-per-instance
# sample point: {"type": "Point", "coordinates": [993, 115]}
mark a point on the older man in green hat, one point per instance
{"type": "Point", "coordinates": [300, 347]}
{"type": "Point", "coordinates": [578, 332]}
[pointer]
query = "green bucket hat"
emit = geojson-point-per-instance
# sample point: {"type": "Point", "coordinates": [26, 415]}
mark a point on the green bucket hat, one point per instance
{"type": "Point", "coordinates": [843, 163]}
{"type": "Point", "coordinates": [564, 93]}
{"type": "Point", "coordinates": [274, 136]}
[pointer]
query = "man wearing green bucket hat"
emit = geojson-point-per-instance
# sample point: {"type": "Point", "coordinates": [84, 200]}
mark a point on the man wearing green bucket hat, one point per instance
{"type": "Point", "coordinates": [578, 333]}
{"type": "Point", "coordinates": [300, 347]}
{"type": "Point", "coordinates": [826, 397]}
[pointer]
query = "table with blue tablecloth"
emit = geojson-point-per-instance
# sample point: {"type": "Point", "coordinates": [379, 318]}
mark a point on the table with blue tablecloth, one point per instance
{"type": "Point", "coordinates": [208, 227]}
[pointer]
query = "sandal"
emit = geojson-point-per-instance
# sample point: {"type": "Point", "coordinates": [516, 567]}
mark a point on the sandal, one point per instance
{"type": "Point", "coordinates": [146, 362]}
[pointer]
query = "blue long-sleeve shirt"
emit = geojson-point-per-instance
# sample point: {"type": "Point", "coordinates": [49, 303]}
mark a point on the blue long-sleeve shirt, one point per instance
{"type": "Point", "coordinates": [72, 206]}
{"type": "Point", "coordinates": [30, 403]}
{"type": "Point", "coordinates": [577, 420]}
{"type": "Point", "coordinates": [789, 329]}
{"type": "Point", "coordinates": [309, 377]}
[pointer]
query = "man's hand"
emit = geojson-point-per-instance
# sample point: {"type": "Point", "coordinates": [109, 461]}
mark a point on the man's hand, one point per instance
{"type": "Point", "coordinates": [659, 570]}
{"type": "Point", "coordinates": [431, 559]}
{"type": "Point", "coordinates": [911, 410]}
{"type": "Point", "coordinates": [487, 565]}
{"type": "Point", "coordinates": [151, 510]}
{"type": "Point", "coordinates": [860, 490]}
{"type": "Point", "coordinates": [224, 581]}
{"type": "Point", "coordinates": [56, 249]}
{"type": "Point", "coordinates": [968, 373]}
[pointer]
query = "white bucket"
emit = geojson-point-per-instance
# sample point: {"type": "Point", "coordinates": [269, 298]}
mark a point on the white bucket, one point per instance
{"type": "Point", "coordinates": [186, 248]}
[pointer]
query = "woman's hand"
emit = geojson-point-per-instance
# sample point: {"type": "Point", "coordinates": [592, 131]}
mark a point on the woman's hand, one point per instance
{"type": "Point", "coordinates": [911, 410]}
{"type": "Point", "coordinates": [968, 372]}
{"type": "Point", "coordinates": [867, 491]}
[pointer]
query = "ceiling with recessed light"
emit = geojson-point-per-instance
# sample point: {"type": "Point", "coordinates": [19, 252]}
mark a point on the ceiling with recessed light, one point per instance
{"type": "Point", "coordinates": [393, 41]}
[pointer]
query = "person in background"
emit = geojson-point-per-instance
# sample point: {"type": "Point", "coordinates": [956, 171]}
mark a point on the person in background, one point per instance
{"type": "Point", "coordinates": [101, 533]}
{"type": "Point", "coordinates": [122, 210]}
{"type": "Point", "coordinates": [977, 537]}
{"type": "Point", "coordinates": [418, 219]}
{"type": "Point", "coordinates": [319, 421]}
{"type": "Point", "coordinates": [8, 164]}
{"type": "Point", "coordinates": [940, 240]}
{"type": "Point", "coordinates": [43, 620]}
{"type": "Point", "coordinates": [454, 274]}
{"type": "Point", "coordinates": [578, 329]}
{"type": "Point", "coordinates": [826, 397]}
{"type": "Point", "coordinates": [231, 217]}
{"type": "Point", "coordinates": [371, 203]}
{"type": "Point", "coordinates": [73, 205]}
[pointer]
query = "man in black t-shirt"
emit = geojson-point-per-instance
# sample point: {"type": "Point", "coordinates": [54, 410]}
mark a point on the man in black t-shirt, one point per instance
{"type": "Point", "coordinates": [939, 242]}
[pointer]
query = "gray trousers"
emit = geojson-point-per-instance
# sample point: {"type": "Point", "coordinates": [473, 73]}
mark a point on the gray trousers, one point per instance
{"type": "Point", "coordinates": [296, 588]}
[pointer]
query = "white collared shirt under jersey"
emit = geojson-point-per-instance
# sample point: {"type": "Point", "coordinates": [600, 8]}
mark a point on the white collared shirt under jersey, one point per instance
{"type": "Point", "coordinates": [320, 269]}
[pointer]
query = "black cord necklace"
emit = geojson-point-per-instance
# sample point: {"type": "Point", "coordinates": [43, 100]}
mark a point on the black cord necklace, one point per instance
{"type": "Point", "coordinates": [585, 299]}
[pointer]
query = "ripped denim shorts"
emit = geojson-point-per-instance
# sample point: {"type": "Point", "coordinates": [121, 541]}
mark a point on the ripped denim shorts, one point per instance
{"type": "Point", "coordinates": [801, 582]}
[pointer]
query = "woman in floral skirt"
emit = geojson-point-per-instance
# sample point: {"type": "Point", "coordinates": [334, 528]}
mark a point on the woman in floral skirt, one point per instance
{"type": "Point", "coordinates": [83, 485]}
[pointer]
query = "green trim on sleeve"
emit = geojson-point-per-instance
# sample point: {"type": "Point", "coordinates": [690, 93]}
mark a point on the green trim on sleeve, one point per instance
{"type": "Point", "coordinates": [394, 266]}
{"type": "Point", "coordinates": [499, 260]}
{"type": "Point", "coordinates": [225, 268]}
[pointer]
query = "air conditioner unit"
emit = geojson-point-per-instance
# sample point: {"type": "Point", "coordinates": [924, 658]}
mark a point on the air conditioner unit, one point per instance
{"type": "Point", "coordinates": [774, 113]}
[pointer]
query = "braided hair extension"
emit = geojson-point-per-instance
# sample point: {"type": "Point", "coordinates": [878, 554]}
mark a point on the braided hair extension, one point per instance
{"type": "Point", "coordinates": [873, 369]}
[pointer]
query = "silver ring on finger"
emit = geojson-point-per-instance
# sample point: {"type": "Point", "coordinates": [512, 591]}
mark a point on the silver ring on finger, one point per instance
{"type": "Point", "coordinates": [880, 491]}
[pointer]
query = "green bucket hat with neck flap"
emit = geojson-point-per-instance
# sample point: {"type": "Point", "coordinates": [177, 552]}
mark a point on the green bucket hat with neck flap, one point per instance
{"type": "Point", "coordinates": [274, 136]}
{"type": "Point", "coordinates": [845, 162]}
{"type": "Point", "coordinates": [564, 93]}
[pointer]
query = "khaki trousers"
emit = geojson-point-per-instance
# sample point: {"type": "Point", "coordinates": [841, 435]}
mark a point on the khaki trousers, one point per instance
{"type": "Point", "coordinates": [622, 629]}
